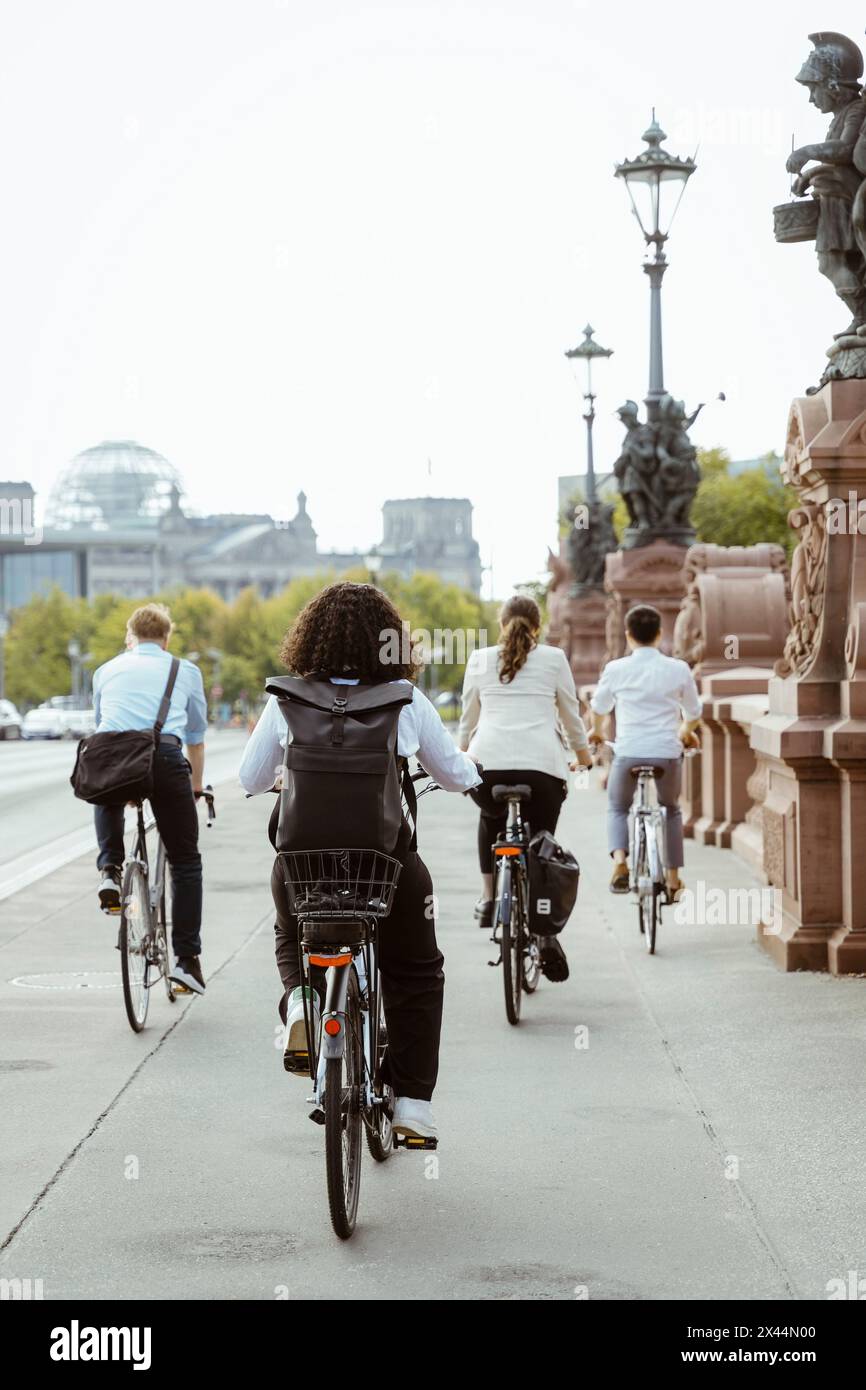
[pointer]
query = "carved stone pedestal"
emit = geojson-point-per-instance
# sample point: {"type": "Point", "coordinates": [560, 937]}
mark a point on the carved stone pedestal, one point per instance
{"type": "Point", "coordinates": [813, 738]}
{"type": "Point", "coordinates": [648, 574]}
{"type": "Point", "coordinates": [577, 616]}
{"type": "Point", "coordinates": [731, 630]}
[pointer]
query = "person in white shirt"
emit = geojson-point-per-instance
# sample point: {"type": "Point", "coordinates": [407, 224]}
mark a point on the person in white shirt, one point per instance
{"type": "Point", "coordinates": [657, 711]}
{"type": "Point", "coordinates": [521, 720]}
{"type": "Point", "coordinates": [348, 633]}
{"type": "Point", "coordinates": [127, 694]}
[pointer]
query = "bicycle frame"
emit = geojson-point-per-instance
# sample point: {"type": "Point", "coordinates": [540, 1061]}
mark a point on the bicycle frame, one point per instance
{"type": "Point", "coordinates": [647, 820]}
{"type": "Point", "coordinates": [362, 957]}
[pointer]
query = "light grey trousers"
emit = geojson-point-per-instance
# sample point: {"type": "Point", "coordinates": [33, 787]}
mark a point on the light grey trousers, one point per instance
{"type": "Point", "coordinates": [620, 795]}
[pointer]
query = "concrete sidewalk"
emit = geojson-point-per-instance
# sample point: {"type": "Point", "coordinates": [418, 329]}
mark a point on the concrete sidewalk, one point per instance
{"type": "Point", "coordinates": [684, 1126]}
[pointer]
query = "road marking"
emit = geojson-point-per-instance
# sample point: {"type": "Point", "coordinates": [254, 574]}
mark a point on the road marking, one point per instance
{"type": "Point", "coordinates": [70, 979]}
{"type": "Point", "coordinates": [46, 859]}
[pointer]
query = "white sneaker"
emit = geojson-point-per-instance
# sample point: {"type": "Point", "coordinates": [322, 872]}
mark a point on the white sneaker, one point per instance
{"type": "Point", "coordinates": [109, 892]}
{"type": "Point", "coordinates": [295, 1055]}
{"type": "Point", "coordinates": [414, 1117]}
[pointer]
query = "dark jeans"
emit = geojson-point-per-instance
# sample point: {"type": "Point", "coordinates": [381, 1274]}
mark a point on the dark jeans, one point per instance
{"type": "Point", "coordinates": [413, 980]}
{"type": "Point", "coordinates": [177, 821]}
{"type": "Point", "coordinates": [542, 812]}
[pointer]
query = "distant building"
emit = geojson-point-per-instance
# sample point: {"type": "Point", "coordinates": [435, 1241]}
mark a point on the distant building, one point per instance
{"type": "Point", "coordinates": [432, 534]}
{"type": "Point", "coordinates": [115, 524]}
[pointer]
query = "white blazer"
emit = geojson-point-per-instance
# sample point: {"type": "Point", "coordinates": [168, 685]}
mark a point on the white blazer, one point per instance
{"type": "Point", "coordinates": [528, 723]}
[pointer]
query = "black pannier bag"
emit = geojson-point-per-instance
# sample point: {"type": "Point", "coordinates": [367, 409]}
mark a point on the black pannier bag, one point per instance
{"type": "Point", "coordinates": [342, 775]}
{"type": "Point", "coordinates": [554, 875]}
{"type": "Point", "coordinates": [112, 768]}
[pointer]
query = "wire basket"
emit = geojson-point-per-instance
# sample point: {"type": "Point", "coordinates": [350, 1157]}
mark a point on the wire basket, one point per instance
{"type": "Point", "coordinates": [333, 884]}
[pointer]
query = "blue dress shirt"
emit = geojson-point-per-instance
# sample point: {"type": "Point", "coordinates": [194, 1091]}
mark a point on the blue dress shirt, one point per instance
{"type": "Point", "coordinates": [127, 692]}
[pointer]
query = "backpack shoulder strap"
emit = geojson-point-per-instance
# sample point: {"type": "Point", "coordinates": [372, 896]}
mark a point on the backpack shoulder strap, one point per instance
{"type": "Point", "coordinates": [166, 699]}
{"type": "Point", "coordinates": [411, 798]}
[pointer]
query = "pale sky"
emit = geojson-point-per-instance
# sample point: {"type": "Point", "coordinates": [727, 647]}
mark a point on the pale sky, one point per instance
{"type": "Point", "coordinates": [295, 245]}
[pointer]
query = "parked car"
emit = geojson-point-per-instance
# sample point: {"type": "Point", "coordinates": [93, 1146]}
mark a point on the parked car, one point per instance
{"type": "Point", "coordinates": [63, 716]}
{"type": "Point", "coordinates": [10, 720]}
{"type": "Point", "coordinates": [43, 722]}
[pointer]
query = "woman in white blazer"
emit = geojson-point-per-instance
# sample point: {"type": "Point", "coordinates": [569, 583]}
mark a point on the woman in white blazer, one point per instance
{"type": "Point", "coordinates": [521, 721]}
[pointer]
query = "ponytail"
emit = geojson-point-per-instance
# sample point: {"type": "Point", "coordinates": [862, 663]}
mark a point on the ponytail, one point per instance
{"type": "Point", "coordinates": [521, 622]}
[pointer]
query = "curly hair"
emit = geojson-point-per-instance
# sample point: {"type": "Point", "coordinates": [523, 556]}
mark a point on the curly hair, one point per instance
{"type": "Point", "coordinates": [350, 630]}
{"type": "Point", "coordinates": [520, 618]}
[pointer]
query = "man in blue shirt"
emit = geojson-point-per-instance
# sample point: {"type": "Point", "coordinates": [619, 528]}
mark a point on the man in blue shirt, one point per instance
{"type": "Point", "coordinates": [127, 693]}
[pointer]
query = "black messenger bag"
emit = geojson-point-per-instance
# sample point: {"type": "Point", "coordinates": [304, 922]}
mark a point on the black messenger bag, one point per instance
{"type": "Point", "coordinates": [342, 775]}
{"type": "Point", "coordinates": [554, 875]}
{"type": "Point", "coordinates": [115, 767]}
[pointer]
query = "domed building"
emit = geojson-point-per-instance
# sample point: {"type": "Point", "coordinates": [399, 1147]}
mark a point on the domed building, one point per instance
{"type": "Point", "coordinates": [116, 483]}
{"type": "Point", "coordinates": [115, 523]}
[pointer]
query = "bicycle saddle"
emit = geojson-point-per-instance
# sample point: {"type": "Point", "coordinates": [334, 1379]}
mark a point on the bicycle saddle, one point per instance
{"type": "Point", "coordinates": [502, 793]}
{"type": "Point", "coordinates": [653, 771]}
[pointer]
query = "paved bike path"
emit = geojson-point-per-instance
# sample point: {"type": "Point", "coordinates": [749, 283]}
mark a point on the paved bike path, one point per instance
{"type": "Point", "coordinates": [652, 1153]}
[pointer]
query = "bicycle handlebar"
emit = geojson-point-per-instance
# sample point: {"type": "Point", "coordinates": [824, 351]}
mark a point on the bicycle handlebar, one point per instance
{"type": "Point", "coordinates": [207, 794]}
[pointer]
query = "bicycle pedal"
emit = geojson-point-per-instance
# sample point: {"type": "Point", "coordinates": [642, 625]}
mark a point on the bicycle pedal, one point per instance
{"type": "Point", "coordinates": [414, 1141]}
{"type": "Point", "coordinates": [317, 1117]}
{"type": "Point", "coordinates": [298, 1063]}
{"type": "Point", "coordinates": [181, 989]}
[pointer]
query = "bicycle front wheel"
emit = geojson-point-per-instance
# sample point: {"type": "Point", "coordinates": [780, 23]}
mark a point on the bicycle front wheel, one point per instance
{"type": "Point", "coordinates": [344, 1080]}
{"type": "Point", "coordinates": [163, 948]}
{"type": "Point", "coordinates": [649, 906]}
{"type": "Point", "coordinates": [135, 937]}
{"type": "Point", "coordinates": [379, 1131]}
{"type": "Point", "coordinates": [510, 920]}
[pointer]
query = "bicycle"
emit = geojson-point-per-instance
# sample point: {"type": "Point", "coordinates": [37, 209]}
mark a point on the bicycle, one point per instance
{"type": "Point", "coordinates": [339, 897]}
{"type": "Point", "coordinates": [647, 831]}
{"type": "Point", "coordinates": [518, 949]}
{"type": "Point", "coordinates": [143, 938]}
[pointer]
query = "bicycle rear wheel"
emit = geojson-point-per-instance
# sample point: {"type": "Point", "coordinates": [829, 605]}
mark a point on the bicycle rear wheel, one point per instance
{"type": "Point", "coordinates": [509, 915]}
{"type": "Point", "coordinates": [135, 941]}
{"type": "Point", "coordinates": [344, 1079]}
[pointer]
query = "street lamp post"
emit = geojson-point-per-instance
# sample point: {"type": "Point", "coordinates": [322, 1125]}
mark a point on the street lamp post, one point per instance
{"type": "Point", "coordinates": [656, 181]}
{"type": "Point", "coordinates": [74, 653]}
{"type": "Point", "coordinates": [587, 350]}
{"type": "Point", "coordinates": [373, 562]}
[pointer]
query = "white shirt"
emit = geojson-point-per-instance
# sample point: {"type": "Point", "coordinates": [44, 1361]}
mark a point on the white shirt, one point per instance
{"type": "Point", "coordinates": [419, 730]}
{"type": "Point", "coordinates": [651, 694]}
{"type": "Point", "coordinates": [127, 692]}
{"type": "Point", "coordinates": [526, 723]}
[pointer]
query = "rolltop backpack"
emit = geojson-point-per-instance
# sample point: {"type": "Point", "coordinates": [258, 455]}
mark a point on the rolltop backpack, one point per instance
{"type": "Point", "coordinates": [342, 774]}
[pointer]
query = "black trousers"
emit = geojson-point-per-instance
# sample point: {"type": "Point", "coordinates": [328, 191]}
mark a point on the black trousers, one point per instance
{"type": "Point", "coordinates": [542, 812]}
{"type": "Point", "coordinates": [177, 822]}
{"type": "Point", "coordinates": [410, 962]}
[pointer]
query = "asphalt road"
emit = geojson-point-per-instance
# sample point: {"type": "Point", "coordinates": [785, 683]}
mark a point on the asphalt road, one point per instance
{"type": "Point", "coordinates": [42, 825]}
{"type": "Point", "coordinates": [686, 1126]}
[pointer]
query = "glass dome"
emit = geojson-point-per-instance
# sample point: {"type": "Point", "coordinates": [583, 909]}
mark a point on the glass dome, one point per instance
{"type": "Point", "coordinates": [116, 483]}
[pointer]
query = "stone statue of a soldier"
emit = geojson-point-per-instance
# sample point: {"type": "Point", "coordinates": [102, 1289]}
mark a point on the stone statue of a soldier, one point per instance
{"type": "Point", "coordinates": [635, 466]}
{"type": "Point", "coordinates": [589, 543]}
{"type": "Point", "coordinates": [832, 75]}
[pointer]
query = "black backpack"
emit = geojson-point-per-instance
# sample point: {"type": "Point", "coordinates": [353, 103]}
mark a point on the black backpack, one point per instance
{"type": "Point", "coordinates": [342, 774]}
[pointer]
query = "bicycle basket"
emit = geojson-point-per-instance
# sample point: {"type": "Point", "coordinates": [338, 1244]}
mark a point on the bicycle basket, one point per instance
{"type": "Point", "coordinates": [333, 884]}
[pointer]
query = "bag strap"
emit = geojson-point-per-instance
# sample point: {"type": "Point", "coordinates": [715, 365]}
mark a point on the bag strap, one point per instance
{"type": "Point", "coordinates": [166, 699]}
{"type": "Point", "coordinates": [411, 803]}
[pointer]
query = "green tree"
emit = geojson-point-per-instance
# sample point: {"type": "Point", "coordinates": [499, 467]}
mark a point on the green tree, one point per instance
{"type": "Point", "coordinates": [37, 658]}
{"type": "Point", "coordinates": [742, 509]}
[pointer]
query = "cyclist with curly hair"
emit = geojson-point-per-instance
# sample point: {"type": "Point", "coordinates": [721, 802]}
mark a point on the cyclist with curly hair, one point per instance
{"type": "Point", "coordinates": [348, 634]}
